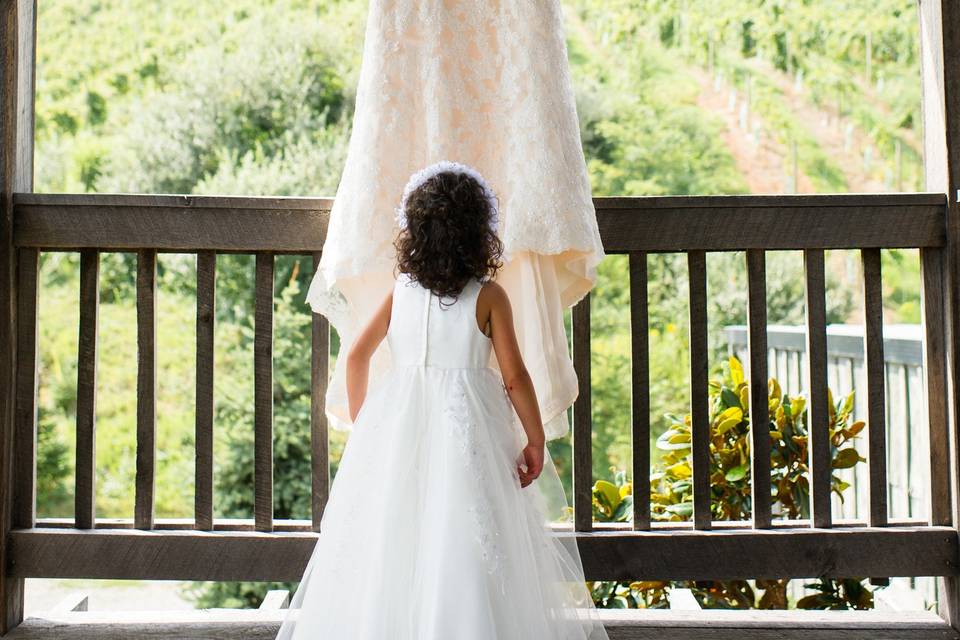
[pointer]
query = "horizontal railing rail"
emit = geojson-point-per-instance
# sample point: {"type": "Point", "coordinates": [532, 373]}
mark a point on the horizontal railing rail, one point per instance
{"type": "Point", "coordinates": [642, 223]}
{"type": "Point", "coordinates": [263, 548]}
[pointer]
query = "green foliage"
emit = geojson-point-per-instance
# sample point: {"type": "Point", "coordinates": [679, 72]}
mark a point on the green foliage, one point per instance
{"type": "Point", "coordinates": [186, 96]}
{"type": "Point", "coordinates": [671, 492]}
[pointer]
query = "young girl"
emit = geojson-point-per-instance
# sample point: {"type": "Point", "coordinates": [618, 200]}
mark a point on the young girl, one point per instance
{"type": "Point", "coordinates": [432, 529]}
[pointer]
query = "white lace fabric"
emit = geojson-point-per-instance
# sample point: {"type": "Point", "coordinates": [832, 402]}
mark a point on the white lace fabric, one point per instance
{"type": "Point", "coordinates": [486, 83]}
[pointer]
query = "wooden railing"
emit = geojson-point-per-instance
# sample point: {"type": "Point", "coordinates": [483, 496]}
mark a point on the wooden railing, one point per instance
{"type": "Point", "coordinates": [266, 549]}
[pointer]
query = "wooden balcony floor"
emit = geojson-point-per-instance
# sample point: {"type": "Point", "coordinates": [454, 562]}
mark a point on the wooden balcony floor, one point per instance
{"type": "Point", "coordinates": [660, 624]}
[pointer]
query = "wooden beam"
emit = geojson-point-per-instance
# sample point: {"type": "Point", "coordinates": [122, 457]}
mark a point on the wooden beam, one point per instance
{"type": "Point", "coordinates": [173, 223]}
{"type": "Point", "coordinates": [203, 466]}
{"type": "Point", "coordinates": [146, 387]}
{"type": "Point", "coordinates": [17, 62]}
{"type": "Point", "coordinates": [761, 498]}
{"type": "Point", "coordinates": [25, 437]}
{"type": "Point", "coordinates": [319, 436]}
{"type": "Point", "coordinates": [664, 224]}
{"type": "Point", "coordinates": [876, 388]}
{"type": "Point", "coordinates": [818, 414]}
{"type": "Point", "coordinates": [699, 389]}
{"type": "Point", "coordinates": [939, 60]}
{"type": "Point", "coordinates": [86, 468]}
{"type": "Point", "coordinates": [640, 389]}
{"type": "Point", "coordinates": [629, 555]}
{"type": "Point", "coordinates": [620, 624]}
{"type": "Point", "coordinates": [934, 368]}
{"type": "Point", "coordinates": [263, 393]}
{"type": "Point", "coordinates": [582, 419]}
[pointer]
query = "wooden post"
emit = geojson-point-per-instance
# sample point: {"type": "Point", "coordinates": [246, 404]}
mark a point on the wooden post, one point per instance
{"type": "Point", "coordinates": [17, 33]}
{"type": "Point", "coordinates": [263, 393]}
{"type": "Point", "coordinates": [699, 388]}
{"type": "Point", "coordinates": [939, 59]}
{"type": "Point", "coordinates": [203, 461]}
{"type": "Point", "coordinates": [640, 389]}
{"type": "Point", "coordinates": [582, 419]}
{"type": "Point", "coordinates": [319, 436]}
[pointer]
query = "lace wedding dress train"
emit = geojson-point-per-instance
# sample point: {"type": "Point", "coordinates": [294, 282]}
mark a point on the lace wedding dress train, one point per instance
{"type": "Point", "coordinates": [427, 534]}
{"type": "Point", "coordinates": [486, 83]}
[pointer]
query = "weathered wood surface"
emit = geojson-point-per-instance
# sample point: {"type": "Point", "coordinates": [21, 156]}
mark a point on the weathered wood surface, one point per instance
{"type": "Point", "coordinates": [640, 387]}
{"type": "Point", "coordinates": [940, 86]}
{"type": "Point", "coordinates": [86, 473]}
{"type": "Point", "coordinates": [582, 419]}
{"type": "Point", "coordinates": [319, 436]}
{"type": "Point", "coordinates": [25, 435]}
{"type": "Point", "coordinates": [935, 375]}
{"type": "Point", "coordinates": [699, 388]}
{"type": "Point", "coordinates": [263, 393]}
{"type": "Point", "coordinates": [633, 624]}
{"type": "Point", "coordinates": [146, 387]}
{"type": "Point", "coordinates": [306, 526]}
{"type": "Point", "coordinates": [607, 555]}
{"type": "Point", "coordinates": [818, 417]}
{"type": "Point", "coordinates": [642, 223]}
{"type": "Point", "coordinates": [173, 223]}
{"type": "Point", "coordinates": [203, 462]}
{"type": "Point", "coordinates": [759, 405]}
{"type": "Point", "coordinates": [18, 19]}
{"type": "Point", "coordinates": [876, 387]}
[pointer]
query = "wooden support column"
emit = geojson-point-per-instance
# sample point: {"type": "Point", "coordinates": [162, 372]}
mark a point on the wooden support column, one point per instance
{"type": "Point", "coordinates": [17, 35]}
{"type": "Point", "coordinates": [319, 436]}
{"type": "Point", "coordinates": [699, 389]}
{"type": "Point", "coordinates": [263, 393]}
{"type": "Point", "coordinates": [939, 61]}
{"type": "Point", "coordinates": [146, 387]}
{"type": "Point", "coordinates": [640, 389]}
{"type": "Point", "coordinates": [582, 419]}
{"type": "Point", "coordinates": [203, 461]}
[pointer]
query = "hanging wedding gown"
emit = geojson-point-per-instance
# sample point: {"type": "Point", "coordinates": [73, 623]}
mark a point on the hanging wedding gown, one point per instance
{"type": "Point", "coordinates": [485, 83]}
{"type": "Point", "coordinates": [427, 534]}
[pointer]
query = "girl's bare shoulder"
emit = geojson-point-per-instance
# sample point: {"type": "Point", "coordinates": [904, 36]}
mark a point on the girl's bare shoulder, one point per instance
{"type": "Point", "coordinates": [493, 294]}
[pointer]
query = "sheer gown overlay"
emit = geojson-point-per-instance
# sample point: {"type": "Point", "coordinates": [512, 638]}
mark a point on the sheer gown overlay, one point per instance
{"type": "Point", "coordinates": [486, 83]}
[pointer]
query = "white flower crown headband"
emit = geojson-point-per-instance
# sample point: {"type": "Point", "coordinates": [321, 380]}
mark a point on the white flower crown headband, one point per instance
{"type": "Point", "coordinates": [421, 176]}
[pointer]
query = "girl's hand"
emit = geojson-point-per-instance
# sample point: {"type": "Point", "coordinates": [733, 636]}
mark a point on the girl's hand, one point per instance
{"type": "Point", "coordinates": [532, 464]}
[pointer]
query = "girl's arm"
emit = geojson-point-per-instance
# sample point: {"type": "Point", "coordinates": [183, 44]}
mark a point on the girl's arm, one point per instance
{"type": "Point", "coordinates": [516, 378]}
{"type": "Point", "coordinates": [358, 359]}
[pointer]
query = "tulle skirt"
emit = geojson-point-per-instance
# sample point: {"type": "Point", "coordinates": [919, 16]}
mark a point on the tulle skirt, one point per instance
{"type": "Point", "coordinates": [427, 533]}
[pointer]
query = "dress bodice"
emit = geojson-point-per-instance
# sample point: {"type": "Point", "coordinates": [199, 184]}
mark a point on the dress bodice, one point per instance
{"type": "Point", "coordinates": [423, 332]}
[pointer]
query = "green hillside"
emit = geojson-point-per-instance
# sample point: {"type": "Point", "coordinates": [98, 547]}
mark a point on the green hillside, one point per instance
{"type": "Point", "coordinates": [257, 96]}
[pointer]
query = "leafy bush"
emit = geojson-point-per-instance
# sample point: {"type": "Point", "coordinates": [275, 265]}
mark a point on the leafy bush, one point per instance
{"type": "Point", "coordinates": [671, 493]}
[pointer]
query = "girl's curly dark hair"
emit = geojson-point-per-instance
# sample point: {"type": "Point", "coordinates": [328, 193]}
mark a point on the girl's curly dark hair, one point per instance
{"type": "Point", "coordinates": [448, 238]}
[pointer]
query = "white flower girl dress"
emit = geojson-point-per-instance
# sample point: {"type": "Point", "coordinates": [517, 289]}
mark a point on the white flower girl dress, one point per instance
{"type": "Point", "coordinates": [427, 534]}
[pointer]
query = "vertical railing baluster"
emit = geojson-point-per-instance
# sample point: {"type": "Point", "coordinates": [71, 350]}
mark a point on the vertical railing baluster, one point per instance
{"type": "Point", "coordinates": [699, 388]}
{"type": "Point", "coordinates": [263, 393]}
{"type": "Point", "coordinates": [582, 419]}
{"type": "Point", "coordinates": [876, 386]}
{"type": "Point", "coordinates": [818, 413]}
{"type": "Point", "coordinates": [759, 409]}
{"type": "Point", "coordinates": [146, 387]}
{"type": "Point", "coordinates": [85, 491]}
{"type": "Point", "coordinates": [25, 441]}
{"type": "Point", "coordinates": [640, 389]}
{"type": "Point", "coordinates": [319, 440]}
{"type": "Point", "coordinates": [935, 374]}
{"type": "Point", "coordinates": [203, 465]}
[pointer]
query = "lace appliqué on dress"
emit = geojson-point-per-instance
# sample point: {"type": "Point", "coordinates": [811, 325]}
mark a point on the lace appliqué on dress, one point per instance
{"type": "Point", "coordinates": [467, 435]}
